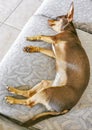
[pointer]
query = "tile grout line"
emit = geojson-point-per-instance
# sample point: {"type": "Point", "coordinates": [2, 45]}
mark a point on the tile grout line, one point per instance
{"type": "Point", "coordinates": [4, 22]}
{"type": "Point", "coordinates": [13, 10]}
{"type": "Point", "coordinates": [12, 26]}
{"type": "Point", "coordinates": [11, 13]}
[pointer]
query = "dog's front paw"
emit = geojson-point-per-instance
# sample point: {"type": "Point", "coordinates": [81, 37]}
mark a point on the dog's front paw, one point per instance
{"type": "Point", "coordinates": [11, 89]}
{"type": "Point", "coordinates": [9, 99]}
{"type": "Point", "coordinates": [30, 49]}
{"type": "Point", "coordinates": [27, 49]}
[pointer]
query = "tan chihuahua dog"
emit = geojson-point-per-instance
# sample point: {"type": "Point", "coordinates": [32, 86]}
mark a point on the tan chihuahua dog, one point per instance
{"type": "Point", "coordinates": [72, 70]}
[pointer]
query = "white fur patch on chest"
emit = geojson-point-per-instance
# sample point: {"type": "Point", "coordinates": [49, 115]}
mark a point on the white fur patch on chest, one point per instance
{"type": "Point", "coordinates": [60, 78]}
{"type": "Point", "coordinates": [61, 46]}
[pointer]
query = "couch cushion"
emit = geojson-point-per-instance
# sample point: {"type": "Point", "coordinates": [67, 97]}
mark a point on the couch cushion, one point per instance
{"type": "Point", "coordinates": [87, 27]}
{"type": "Point", "coordinates": [19, 68]}
{"type": "Point", "coordinates": [80, 117]}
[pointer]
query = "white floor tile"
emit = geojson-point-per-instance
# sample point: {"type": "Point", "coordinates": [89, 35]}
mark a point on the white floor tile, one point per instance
{"type": "Point", "coordinates": [21, 15]}
{"type": "Point", "coordinates": [7, 37]}
{"type": "Point", "coordinates": [6, 8]}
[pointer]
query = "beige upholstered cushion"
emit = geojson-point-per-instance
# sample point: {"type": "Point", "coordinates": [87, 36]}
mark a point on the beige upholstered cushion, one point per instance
{"type": "Point", "coordinates": [18, 68]}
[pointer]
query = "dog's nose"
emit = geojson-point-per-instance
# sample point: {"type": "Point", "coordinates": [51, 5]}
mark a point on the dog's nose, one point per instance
{"type": "Point", "coordinates": [51, 21]}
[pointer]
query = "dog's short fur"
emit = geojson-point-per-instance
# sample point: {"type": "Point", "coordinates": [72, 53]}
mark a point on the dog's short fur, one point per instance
{"type": "Point", "coordinates": [72, 69]}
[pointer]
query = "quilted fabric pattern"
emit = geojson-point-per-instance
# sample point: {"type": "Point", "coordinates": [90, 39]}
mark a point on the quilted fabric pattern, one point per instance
{"type": "Point", "coordinates": [53, 8]}
{"type": "Point", "coordinates": [87, 27]}
{"type": "Point", "coordinates": [19, 68]}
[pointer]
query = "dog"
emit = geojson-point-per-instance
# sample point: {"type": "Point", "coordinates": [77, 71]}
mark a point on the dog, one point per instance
{"type": "Point", "coordinates": [72, 70]}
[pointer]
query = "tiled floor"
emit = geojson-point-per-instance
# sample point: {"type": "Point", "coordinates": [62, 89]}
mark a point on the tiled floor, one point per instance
{"type": "Point", "coordinates": [13, 16]}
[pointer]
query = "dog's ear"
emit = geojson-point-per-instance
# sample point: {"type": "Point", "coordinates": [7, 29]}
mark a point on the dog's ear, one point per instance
{"type": "Point", "coordinates": [70, 13]}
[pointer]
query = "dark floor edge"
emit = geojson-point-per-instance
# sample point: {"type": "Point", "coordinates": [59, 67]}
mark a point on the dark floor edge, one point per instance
{"type": "Point", "coordinates": [17, 122]}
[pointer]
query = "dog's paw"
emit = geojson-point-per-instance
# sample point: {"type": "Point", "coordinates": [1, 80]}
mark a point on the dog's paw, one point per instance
{"type": "Point", "coordinates": [27, 49]}
{"type": "Point", "coordinates": [9, 99]}
{"type": "Point", "coordinates": [30, 49]}
{"type": "Point", "coordinates": [11, 89]}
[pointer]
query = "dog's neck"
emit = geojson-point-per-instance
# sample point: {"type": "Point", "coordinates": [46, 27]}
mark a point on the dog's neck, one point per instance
{"type": "Point", "coordinates": [70, 27]}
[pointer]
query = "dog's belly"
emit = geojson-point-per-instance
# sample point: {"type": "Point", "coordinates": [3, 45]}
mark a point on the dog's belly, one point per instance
{"type": "Point", "coordinates": [60, 78]}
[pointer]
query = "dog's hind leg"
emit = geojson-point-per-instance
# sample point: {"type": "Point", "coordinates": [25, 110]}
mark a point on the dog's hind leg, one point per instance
{"type": "Point", "coordinates": [12, 100]}
{"type": "Point", "coordinates": [53, 98]}
{"type": "Point", "coordinates": [38, 97]}
{"type": "Point", "coordinates": [40, 86]}
{"type": "Point", "coordinates": [35, 99]}
{"type": "Point", "coordinates": [27, 93]}
{"type": "Point", "coordinates": [30, 49]}
{"type": "Point", "coordinates": [18, 91]}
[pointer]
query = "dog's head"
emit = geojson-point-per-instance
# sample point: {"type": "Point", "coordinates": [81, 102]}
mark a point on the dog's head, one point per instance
{"type": "Point", "coordinates": [62, 21]}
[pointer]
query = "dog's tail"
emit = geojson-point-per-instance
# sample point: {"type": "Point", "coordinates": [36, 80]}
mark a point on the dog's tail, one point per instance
{"type": "Point", "coordinates": [42, 116]}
